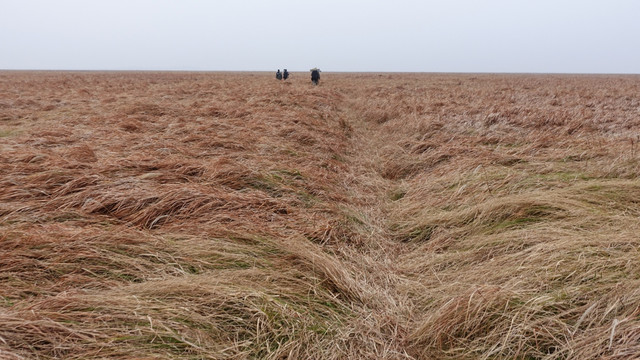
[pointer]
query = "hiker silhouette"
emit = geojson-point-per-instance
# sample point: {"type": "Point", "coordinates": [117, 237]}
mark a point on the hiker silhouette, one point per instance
{"type": "Point", "coordinates": [315, 76]}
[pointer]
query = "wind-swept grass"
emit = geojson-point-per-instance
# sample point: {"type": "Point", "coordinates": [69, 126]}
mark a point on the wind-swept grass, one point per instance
{"type": "Point", "coordinates": [417, 216]}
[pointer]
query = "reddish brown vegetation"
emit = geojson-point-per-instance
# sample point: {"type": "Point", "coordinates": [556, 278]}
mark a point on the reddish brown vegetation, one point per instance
{"type": "Point", "coordinates": [375, 216]}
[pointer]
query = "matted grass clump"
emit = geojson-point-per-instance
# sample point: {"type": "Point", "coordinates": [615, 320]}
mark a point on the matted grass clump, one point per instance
{"type": "Point", "coordinates": [416, 216]}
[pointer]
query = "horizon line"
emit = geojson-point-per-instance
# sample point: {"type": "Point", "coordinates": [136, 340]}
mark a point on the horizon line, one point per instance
{"type": "Point", "coordinates": [325, 71]}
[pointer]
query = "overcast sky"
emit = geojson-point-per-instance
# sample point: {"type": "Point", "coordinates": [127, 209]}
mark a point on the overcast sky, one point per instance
{"type": "Point", "coordinates": [587, 36]}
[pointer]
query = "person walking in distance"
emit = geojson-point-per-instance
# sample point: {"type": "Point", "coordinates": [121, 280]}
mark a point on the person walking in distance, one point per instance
{"type": "Point", "coordinates": [285, 74]}
{"type": "Point", "coordinates": [315, 76]}
{"type": "Point", "coordinates": [278, 75]}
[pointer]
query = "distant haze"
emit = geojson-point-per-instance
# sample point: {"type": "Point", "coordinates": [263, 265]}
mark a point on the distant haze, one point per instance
{"type": "Point", "coordinates": [545, 36]}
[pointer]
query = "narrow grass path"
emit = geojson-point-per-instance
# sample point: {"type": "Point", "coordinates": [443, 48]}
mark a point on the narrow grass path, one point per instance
{"type": "Point", "coordinates": [372, 252]}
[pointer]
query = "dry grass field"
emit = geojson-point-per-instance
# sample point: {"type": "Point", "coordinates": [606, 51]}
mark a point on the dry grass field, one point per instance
{"type": "Point", "coordinates": [376, 216]}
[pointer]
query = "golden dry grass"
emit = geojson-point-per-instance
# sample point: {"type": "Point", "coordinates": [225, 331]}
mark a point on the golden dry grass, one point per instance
{"type": "Point", "coordinates": [227, 215]}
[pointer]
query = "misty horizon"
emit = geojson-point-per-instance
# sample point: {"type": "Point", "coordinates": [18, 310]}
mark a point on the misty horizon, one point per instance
{"type": "Point", "coordinates": [463, 36]}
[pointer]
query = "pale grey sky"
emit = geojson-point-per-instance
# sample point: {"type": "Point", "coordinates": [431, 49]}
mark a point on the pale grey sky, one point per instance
{"type": "Point", "coordinates": [588, 36]}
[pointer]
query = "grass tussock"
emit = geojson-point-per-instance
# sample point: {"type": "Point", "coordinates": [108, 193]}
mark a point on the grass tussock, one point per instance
{"type": "Point", "coordinates": [405, 216]}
